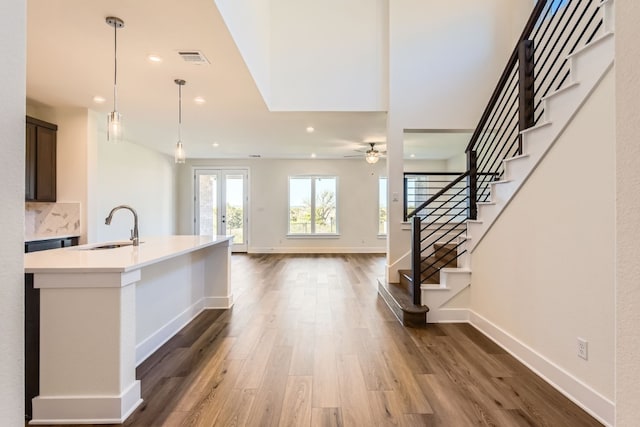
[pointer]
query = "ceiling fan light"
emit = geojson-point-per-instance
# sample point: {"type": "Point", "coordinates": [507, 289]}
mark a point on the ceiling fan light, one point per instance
{"type": "Point", "coordinates": [372, 157]}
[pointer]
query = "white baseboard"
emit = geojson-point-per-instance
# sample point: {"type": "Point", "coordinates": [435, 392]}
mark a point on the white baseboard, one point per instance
{"type": "Point", "coordinates": [448, 315]}
{"type": "Point", "coordinates": [581, 394]}
{"type": "Point", "coordinates": [86, 410]}
{"type": "Point", "coordinates": [150, 344]}
{"type": "Point", "coordinates": [221, 303]}
{"type": "Point", "coordinates": [317, 250]}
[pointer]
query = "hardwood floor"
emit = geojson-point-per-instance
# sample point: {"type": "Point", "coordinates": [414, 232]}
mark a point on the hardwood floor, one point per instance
{"type": "Point", "coordinates": [310, 343]}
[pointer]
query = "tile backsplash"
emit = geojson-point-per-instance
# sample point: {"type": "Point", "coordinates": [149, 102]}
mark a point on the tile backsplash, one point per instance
{"type": "Point", "coordinates": [51, 219]}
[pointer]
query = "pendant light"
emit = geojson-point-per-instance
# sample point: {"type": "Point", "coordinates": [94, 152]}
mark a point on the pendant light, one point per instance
{"type": "Point", "coordinates": [179, 154]}
{"type": "Point", "coordinates": [114, 119]}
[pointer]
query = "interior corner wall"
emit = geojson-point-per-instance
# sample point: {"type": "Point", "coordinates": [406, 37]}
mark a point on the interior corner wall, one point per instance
{"type": "Point", "coordinates": [12, 164]}
{"type": "Point", "coordinates": [73, 162]}
{"type": "Point", "coordinates": [544, 273]}
{"type": "Point", "coordinates": [627, 213]}
{"type": "Point", "coordinates": [328, 56]}
{"type": "Point", "coordinates": [131, 174]}
{"type": "Point", "coordinates": [268, 203]}
{"type": "Point", "coordinates": [397, 249]}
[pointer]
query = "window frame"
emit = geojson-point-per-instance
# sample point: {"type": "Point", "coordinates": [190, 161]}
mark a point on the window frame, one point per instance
{"type": "Point", "coordinates": [312, 234]}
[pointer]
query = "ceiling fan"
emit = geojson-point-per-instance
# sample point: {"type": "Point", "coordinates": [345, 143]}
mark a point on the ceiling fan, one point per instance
{"type": "Point", "coordinates": [372, 155]}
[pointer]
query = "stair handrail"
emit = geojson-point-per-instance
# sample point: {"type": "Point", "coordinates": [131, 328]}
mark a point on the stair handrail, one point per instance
{"type": "Point", "coordinates": [536, 67]}
{"type": "Point", "coordinates": [502, 81]}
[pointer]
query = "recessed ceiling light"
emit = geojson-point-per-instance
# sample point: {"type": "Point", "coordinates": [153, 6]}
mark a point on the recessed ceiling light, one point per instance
{"type": "Point", "coordinates": [313, 155]}
{"type": "Point", "coordinates": [154, 58]}
{"type": "Point", "coordinates": [412, 156]}
{"type": "Point", "coordinates": [215, 145]}
{"type": "Point", "coordinates": [310, 129]}
{"type": "Point", "coordinates": [199, 100]}
{"type": "Point", "coordinates": [99, 99]}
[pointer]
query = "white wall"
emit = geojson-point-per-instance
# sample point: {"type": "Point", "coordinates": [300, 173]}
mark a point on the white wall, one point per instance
{"type": "Point", "coordinates": [457, 163]}
{"type": "Point", "coordinates": [313, 56]}
{"type": "Point", "coordinates": [134, 175]}
{"type": "Point", "coordinates": [445, 58]}
{"type": "Point", "coordinates": [328, 55]}
{"type": "Point", "coordinates": [101, 175]}
{"type": "Point", "coordinates": [268, 180]}
{"type": "Point", "coordinates": [425, 165]}
{"type": "Point", "coordinates": [545, 271]}
{"type": "Point", "coordinates": [12, 125]}
{"type": "Point", "coordinates": [627, 213]}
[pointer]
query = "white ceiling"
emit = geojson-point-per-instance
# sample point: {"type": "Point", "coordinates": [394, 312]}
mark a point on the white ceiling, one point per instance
{"type": "Point", "coordinates": [70, 60]}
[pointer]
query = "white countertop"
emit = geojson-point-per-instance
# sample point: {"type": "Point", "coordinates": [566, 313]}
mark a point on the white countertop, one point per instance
{"type": "Point", "coordinates": [79, 259]}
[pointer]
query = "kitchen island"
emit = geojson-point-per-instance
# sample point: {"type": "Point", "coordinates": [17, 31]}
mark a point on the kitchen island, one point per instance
{"type": "Point", "coordinates": [103, 311]}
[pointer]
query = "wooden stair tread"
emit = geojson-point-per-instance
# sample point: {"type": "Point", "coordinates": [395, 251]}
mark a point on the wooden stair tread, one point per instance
{"type": "Point", "coordinates": [398, 298]}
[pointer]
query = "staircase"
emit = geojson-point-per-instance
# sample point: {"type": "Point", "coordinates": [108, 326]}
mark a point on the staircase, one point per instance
{"type": "Point", "coordinates": [503, 153]}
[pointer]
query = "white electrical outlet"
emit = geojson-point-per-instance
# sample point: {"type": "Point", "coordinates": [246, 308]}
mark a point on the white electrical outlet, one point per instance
{"type": "Point", "coordinates": [583, 348]}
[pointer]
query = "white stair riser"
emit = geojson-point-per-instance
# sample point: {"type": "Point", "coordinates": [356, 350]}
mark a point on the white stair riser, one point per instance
{"type": "Point", "coordinates": [502, 191]}
{"type": "Point", "coordinates": [488, 210]}
{"type": "Point", "coordinates": [464, 259]}
{"type": "Point", "coordinates": [517, 169]}
{"type": "Point", "coordinates": [452, 282]}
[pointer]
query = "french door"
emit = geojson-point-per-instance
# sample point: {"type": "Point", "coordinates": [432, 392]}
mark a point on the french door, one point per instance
{"type": "Point", "coordinates": [221, 199]}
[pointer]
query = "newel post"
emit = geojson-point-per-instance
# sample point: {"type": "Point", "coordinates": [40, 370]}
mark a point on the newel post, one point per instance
{"type": "Point", "coordinates": [472, 185]}
{"type": "Point", "coordinates": [415, 259]}
{"type": "Point", "coordinates": [526, 88]}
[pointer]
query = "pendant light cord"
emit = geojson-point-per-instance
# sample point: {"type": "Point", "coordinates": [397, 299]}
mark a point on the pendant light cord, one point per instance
{"type": "Point", "coordinates": [115, 66]}
{"type": "Point", "coordinates": [179, 112]}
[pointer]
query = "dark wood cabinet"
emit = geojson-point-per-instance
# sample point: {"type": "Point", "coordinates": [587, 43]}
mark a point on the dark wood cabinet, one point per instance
{"type": "Point", "coordinates": [40, 161]}
{"type": "Point", "coordinates": [32, 323]}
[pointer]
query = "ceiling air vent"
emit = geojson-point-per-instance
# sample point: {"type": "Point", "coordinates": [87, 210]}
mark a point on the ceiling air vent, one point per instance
{"type": "Point", "coordinates": [193, 57]}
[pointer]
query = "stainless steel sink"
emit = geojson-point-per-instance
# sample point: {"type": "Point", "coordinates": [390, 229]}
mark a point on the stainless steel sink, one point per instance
{"type": "Point", "coordinates": [112, 245]}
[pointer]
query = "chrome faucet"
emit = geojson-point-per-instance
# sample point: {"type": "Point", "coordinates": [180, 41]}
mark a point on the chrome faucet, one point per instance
{"type": "Point", "coordinates": [134, 233]}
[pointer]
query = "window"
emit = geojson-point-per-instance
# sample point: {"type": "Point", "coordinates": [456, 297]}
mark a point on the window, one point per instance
{"type": "Point", "coordinates": [382, 205]}
{"type": "Point", "coordinates": [552, 7]}
{"type": "Point", "coordinates": [312, 205]}
{"type": "Point", "coordinates": [557, 5]}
